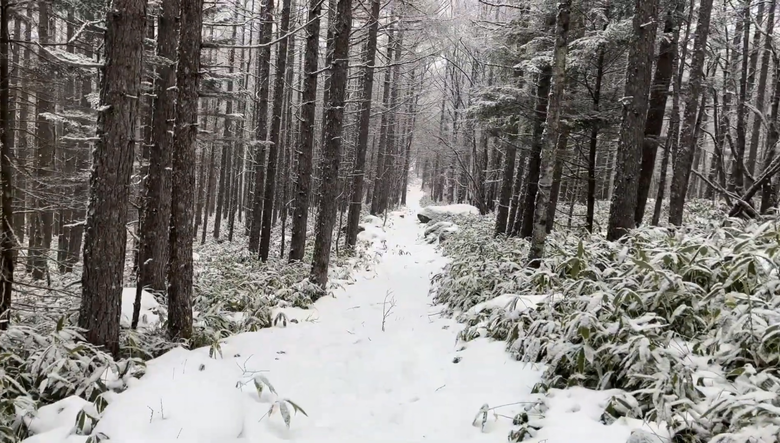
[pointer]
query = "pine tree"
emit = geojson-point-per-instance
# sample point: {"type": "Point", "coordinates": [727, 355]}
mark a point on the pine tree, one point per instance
{"type": "Point", "coordinates": [106, 236]}
{"type": "Point", "coordinates": [331, 152]}
{"type": "Point", "coordinates": [180, 268]}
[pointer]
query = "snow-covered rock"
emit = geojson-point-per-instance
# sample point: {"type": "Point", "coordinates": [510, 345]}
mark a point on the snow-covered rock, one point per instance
{"type": "Point", "coordinates": [434, 213]}
{"type": "Point", "coordinates": [150, 308]}
{"type": "Point", "coordinates": [440, 231]}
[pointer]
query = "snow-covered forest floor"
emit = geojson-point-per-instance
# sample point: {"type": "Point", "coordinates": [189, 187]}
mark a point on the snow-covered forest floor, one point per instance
{"type": "Point", "coordinates": [375, 361]}
{"type": "Point", "coordinates": [670, 335]}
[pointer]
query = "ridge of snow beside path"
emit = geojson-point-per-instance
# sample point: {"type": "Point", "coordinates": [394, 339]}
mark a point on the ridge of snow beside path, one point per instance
{"type": "Point", "coordinates": [357, 383]}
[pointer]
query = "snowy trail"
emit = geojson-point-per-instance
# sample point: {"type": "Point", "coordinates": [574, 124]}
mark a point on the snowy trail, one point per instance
{"type": "Point", "coordinates": [356, 382]}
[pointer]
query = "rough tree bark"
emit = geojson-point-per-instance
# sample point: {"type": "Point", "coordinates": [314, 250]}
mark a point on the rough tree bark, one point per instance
{"type": "Point", "coordinates": [156, 215]}
{"type": "Point", "coordinates": [112, 163]}
{"type": "Point", "coordinates": [331, 151]}
{"type": "Point", "coordinates": [183, 182]}
{"type": "Point", "coordinates": [306, 147]}
{"type": "Point", "coordinates": [629, 152]}
{"type": "Point", "coordinates": [7, 242]}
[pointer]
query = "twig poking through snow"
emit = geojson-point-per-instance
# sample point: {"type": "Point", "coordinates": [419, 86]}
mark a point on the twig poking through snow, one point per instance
{"type": "Point", "coordinates": [387, 308]}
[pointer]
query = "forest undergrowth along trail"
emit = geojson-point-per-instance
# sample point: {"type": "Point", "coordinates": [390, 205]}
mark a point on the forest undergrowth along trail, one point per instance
{"type": "Point", "coordinates": [411, 382]}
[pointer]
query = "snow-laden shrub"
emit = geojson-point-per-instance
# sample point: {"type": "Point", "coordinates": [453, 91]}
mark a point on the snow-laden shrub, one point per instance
{"type": "Point", "coordinates": [686, 321]}
{"type": "Point", "coordinates": [39, 369]}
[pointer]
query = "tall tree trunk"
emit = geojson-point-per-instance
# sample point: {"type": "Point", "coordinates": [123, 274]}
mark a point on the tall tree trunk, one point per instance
{"type": "Point", "coordinates": [761, 91]}
{"type": "Point", "coordinates": [391, 141]}
{"type": "Point", "coordinates": [230, 133]}
{"type": "Point", "coordinates": [382, 155]}
{"type": "Point", "coordinates": [358, 174]}
{"type": "Point", "coordinates": [623, 206]}
{"type": "Point", "coordinates": [112, 164]}
{"type": "Point", "coordinates": [7, 242]}
{"type": "Point", "coordinates": [551, 133]}
{"type": "Point", "coordinates": [67, 160]}
{"type": "Point", "coordinates": [684, 156]}
{"type": "Point", "coordinates": [659, 92]}
{"type": "Point", "coordinates": [83, 163]}
{"type": "Point", "coordinates": [289, 139]}
{"type": "Point", "coordinates": [180, 268]}
{"type": "Point", "coordinates": [276, 128]}
{"type": "Point", "coordinates": [261, 116]}
{"type": "Point", "coordinates": [156, 212]}
{"type": "Point", "coordinates": [331, 151]}
{"type": "Point", "coordinates": [43, 218]}
{"type": "Point", "coordinates": [224, 169]}
{"type": "Point", "coordinates": [737, 169]}
{"type": "Point", "coordinates": [306, 154]}
{"type": "Point", "coordinates": [753, 147]}
{"type": "Point", "coordinates": [22, 184]}
{"type": "Point", "coordinates": [593, 143]}
{"type": "Point", "coordinates": [532, 182]}
{"type": "Point", "coordinates": [768, 190]}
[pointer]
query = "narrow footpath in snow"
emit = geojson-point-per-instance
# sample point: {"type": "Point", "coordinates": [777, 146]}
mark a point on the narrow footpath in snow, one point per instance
{"type": "Point", "coordinates": [412, 382]}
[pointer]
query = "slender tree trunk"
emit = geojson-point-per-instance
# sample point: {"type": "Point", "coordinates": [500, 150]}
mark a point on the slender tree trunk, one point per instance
{"type": "Point", "coordinates": [180, 268]}
{"type": "Point", "coordinates": [209, 190]}
{"type": "Point", "coordinates": [43, 219]}
{"type": "Point", "coordinates": [382, 154]}
{"type": "Point", "coordinates": [761, 91]}
{"type": "Point", "coordinates": [753, 147]}
{"type": "Point", "coordinates": [593, 144]}
{"type": "Point", "coordinates": [331, 151]}
{"type": "Point", "coordinates": [510, 154]}
{"type": "Point", "coordinates": [261, 116]}
{"type": "Point", "coordinates": [664, 69]}
{"type": "Point", "coordinates": [156, 215]}
{"type": "Point", "coordinates": [106, 235]}
{"type": "Point", "coordinates": [517, 191]}
{"type": "Point", "coordinates": [306, 154]}
{"type": "Point", "coordinates": [768, 190]}
{"type": "Point", "coordinates": [290, 140]}
{"type": "Point", "coordinates": [551, 133]}
{"type": "Point", "coordinates": [83, 163]}
{"type": "Point", "coordinates": [276, 128]}
{"type": "Point", "coordinates": [532, 182]}
{"type": "Point", "coordinates": [224, 169]}
{"type": "Point", "coordinates": [737, 170]}
{"type": "Point", "coordinates": [7, 242]}
{"type": "Point", "coordinates": [358, 174]}
{"type": "Point", "coordinates": [684, 156]}
{"type": "Point", "coordinates": [563, 150]}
